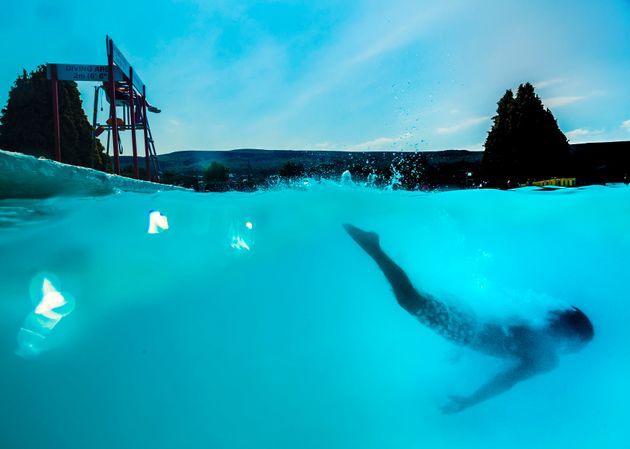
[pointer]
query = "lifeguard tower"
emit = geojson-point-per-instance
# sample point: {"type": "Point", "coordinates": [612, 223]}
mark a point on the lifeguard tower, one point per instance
{"type": "Point", "coordinates": [123, 89]}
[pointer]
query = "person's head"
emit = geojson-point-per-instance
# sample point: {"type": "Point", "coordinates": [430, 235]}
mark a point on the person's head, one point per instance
{"type": "Point", "coordinates": [572, 326]}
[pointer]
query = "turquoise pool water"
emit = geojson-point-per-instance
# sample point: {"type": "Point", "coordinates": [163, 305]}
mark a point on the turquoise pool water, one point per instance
{"type": "Point", "coordinates": [254, 321]}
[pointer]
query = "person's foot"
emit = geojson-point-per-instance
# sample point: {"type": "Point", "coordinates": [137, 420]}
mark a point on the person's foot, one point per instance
{"type": "Point", "coordinates": [369, 241]}
{"type": "Point", "coordinates": [455, 405]}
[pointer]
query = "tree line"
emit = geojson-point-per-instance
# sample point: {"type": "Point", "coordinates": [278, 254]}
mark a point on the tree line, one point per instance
{"type": "Point", "coordinates": [524, 143]}
{"type": "Point", "coordinates": [26, 122]}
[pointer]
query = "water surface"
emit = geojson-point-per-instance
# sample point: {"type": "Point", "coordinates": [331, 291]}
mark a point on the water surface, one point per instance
{"type": "Point", "coordinates": [188, 339]}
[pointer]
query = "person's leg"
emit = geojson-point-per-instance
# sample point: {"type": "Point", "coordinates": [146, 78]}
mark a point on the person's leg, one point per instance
{"type": "Point", "coordinates": [448, 322]}
{"type": "Point", "coordinates": [406, 295]}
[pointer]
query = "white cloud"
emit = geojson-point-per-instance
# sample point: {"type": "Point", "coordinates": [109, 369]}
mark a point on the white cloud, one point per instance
{"type": "Point", "coordinates": [546, 83]}
{"type": "Point", "coordinates": [480, 146]}
{"type": "Point", "coordinates": [626, 125]}
{"type": "Point", "coordinates": [463, 125]}
{"type": "Point", "coordinates": [557, 102]}
{"type": "Point", "coordinates": [583, 134]}
{"type": "Point", "coordinates": [363, 42]}
{"type": "Point", "coordinates": [380, 143]}
{"type": "Point", "coordinates": [323, 146]}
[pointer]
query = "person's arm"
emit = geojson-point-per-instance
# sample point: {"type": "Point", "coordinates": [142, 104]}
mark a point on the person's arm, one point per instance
{"type": "Point", "coordinates": [502, 382]}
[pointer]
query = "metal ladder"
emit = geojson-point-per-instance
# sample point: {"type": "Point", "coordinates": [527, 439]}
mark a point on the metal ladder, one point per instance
{"type": "Point", "coordinates": [155, 165]}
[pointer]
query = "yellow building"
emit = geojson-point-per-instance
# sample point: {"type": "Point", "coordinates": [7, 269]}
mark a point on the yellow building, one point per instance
{"type": "Point", "coordinates": [560, 182]}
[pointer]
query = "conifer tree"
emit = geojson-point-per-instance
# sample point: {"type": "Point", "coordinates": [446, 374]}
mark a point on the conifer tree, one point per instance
{"type": "Point", "coordinates": [499, 154]}
{"type": "Point", "coordinates": [525, 143]}
{"type": "Point", "coordinates": [26, 123]}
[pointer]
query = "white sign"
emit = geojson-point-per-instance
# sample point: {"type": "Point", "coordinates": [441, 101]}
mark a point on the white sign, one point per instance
{"type": "Point", "coordinates": [121, 61]}
{"type": "Point", "coordinates": [83, 72]}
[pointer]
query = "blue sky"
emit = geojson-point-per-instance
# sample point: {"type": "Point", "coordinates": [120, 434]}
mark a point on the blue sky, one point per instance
{"type": "Point", "coordinates": [357, 75]}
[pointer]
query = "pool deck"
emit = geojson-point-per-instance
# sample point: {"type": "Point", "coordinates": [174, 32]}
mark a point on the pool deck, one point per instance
{"type": "Point", "coordinates": [23, 176]}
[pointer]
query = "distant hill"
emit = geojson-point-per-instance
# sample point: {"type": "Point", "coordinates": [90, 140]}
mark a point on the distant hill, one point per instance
{"type": "Point", "coordinates": [600, 162]}
{"type": "Point", "coordinates": [269, 161]}
{"type": "Point", "coordinates": [591, 162]}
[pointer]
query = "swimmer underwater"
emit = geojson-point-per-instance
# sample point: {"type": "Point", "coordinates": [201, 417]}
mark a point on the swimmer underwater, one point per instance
{"type": "Point", "coordinates": [534, 350]}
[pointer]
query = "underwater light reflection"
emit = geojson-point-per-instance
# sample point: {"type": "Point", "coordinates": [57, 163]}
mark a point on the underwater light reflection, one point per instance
{"type": "Point", "coordinates": [38, 324]}
{"type": "Point", "coordinates": [241, 234]}
{"type": "Point", "coordinates": [157, 222]}
{"type": "Point", "coordinates": [51, 299]}
{"type": "Point", "coordinates": [239, 243]}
